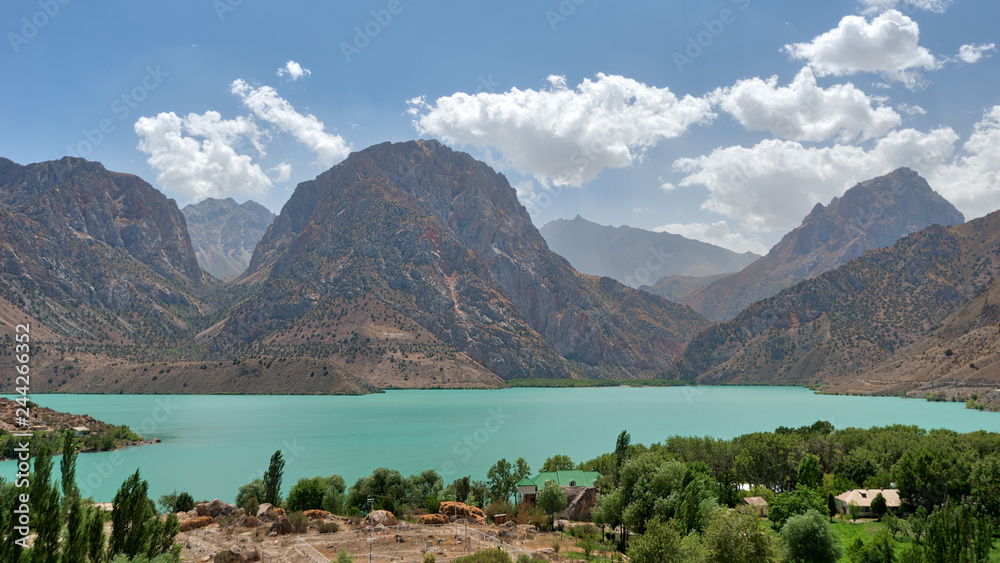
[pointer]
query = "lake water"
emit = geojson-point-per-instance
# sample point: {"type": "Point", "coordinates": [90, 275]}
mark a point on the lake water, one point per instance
{"type": "Point", "coordinates": [213, 444]}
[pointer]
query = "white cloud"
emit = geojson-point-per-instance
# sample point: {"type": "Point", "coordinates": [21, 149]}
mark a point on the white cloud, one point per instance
{"type": "Point", "coordinates": [283, 172]}
{"type": "Point", "coordinates": [803, 111]}
{"type": "Point", "coordinates": [973, 53]}
{"type": "Point", "coordinates": [266, 104]}
{"type": "Point", "coordinates": [912, 109]}
{"type": "Point", "coordinates": [196, 156]}
{"type": "Point", "coordinates": [563, 136]}
{"type": "Point", "coordinates": [972, 180]}
{"type": "Point", "coordinates": [877, 6]}
{"type": "Point", "coordinates": [293, 70]}
{"type": "Point", "coordinates": [773, 184]}
{"type": "Point", "coordinates": [717, 233]}
{"type": "Point", "coordinates": [642, 210]}
{"type": "Point", "coordinates": [889, 45]}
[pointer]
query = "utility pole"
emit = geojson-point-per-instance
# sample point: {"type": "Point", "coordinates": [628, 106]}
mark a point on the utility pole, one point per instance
{"type": "Point", "coordinates": [371, 533]}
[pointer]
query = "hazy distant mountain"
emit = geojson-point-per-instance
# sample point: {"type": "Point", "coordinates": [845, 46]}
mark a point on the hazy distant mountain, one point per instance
{"type": "Point", "coordinates": [225, 233]}
{"type": "Point", "coordinates": [678, 287]}
{"type": "Point", "coordinates": [407, 260]}
{"type": "Point", "coordinates": [637, 257]}
{"type": "Point", "coordinates": [838, 326]}
{"type": "Point", "coordinates": [872, 214]}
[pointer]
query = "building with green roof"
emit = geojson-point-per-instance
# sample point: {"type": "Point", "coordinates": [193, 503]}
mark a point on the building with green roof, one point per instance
{"type": "Point", "coordinates": [527, 488]}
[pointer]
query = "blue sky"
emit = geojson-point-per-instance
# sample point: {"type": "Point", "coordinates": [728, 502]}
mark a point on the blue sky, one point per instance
{"type": "Point", "coordinates": [723, 120]}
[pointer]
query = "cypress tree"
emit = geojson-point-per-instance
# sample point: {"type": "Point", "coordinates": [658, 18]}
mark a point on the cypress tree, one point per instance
{"type": "Point", "coordinates": [272, 479]}
{"type": "Point", "coordinates": [45, 509]}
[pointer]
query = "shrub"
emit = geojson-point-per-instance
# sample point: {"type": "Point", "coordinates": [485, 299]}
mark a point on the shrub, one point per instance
{"type": "Point", "coordinates": [251, 506]}
{"type": "Point", "coordinates": [328, 527]}
{"type": "Point", "coordinates": [307, 494]}
{"type": "Point", "coordinates": [184, 503]}
{"type": "Point", "coordinates": [299, 521]}
{"type": "Point", "coordinates": [488, 556]}
{"type": "Point", "coordinates": [253, 489]}
{"type": "Point", "coordinates": [498, 507]}
{"type": "Point", "coordinates": [809, 537]}
{"type": "Point", "coordinates": [344, 557]}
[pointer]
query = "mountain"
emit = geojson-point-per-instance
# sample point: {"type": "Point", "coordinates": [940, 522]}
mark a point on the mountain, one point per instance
{"type": "Point", "coordinates": [637, 257]}
{"type": "Point", "coordinates": [224, 233]}
{"type": "Point", "coordinates": [677, 287]}
{"type": "Point", "coordinates": [961, 357]}
{"type": "Point", "coordinates": [872, 214]}
{"type": "Point", "coordinates": [95, 256]}
{"type": "Point", "coordinates": [414, 259]}
{"type": "Point", "coordinates": [840, 325]}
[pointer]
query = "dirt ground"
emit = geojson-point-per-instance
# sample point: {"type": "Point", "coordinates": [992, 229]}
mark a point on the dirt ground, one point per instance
{"type": "Point", "coordinates": [405, 542]}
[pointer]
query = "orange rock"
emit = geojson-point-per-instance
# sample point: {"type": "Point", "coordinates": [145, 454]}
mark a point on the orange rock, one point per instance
{"type": "Point", "coordinates": [316, 514]}
{"type": "Point", "coordinates": [195, 523]}
{"type": "Point", "coordinates": [433, 519]}
{"type": "Point", "coordinates": [463, 510]}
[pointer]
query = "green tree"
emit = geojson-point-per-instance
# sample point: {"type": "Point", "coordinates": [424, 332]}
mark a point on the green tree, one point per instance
{"type": "Point", "coordinates": [879, 507]}
{"type": "Point", "coordinates": [735, 536]}
{"type": "Point", "coordinates": [307, 494]}
{"type": "Point", "coordinates": [854, 511]}
{"type": "Point", "coordinates": [928, 475]}
{"type": "Point", "coordinates": [136, 527]}
{"type": "Point", "coordinates": [95, 535]}
{"type": "Point", "coordinates": [809, 537]}
{"type": "Point", "coordinates": [809, 474]}
{"type": "Point", "coordinates": [660, 542]}
{"type": "Point", "coordinates": [45, 509]}
{"type": "Point", "coordinates": [333, 494]}
{"type": "Point", "coordinates": [984, 482]}
{"type": "Point", "coordinates": [520, 471]}
{"type": "Point", "coordinates": [918, 524]}
{"type": "Point", "coordinates": [880, 549]}
{"type": "Point", "coordinates": [957, 534]}
{"type": "Point", "coordinates": [67, 465]}
{"type": "Point", "coordinates": [621, 450]}
{"type": "Point", "coordinates": [387, 486]}
{"type": "Point", "coordinates": [831, 505]}
{"type": "Point", "coordinates": [552, 499]}
{"type": "Point", "coordinates": [9, 550]}
{"type": "Point", "coordinates": [344, 557]}
{"type": "Point", "coordinates": [502, 481]}
{"type": "Point", "coordinates": [557, 462]}
{"type": "Point", "coordinates": [74, 546]}
{"type": "Point", "coordinates": [793, 503]}
{"type": "Point", "coordinates": [185, 502]}
{"type": "Point", "coordinates": [253, 489]}
{"type": "Point", "coordinates": [272, 479]}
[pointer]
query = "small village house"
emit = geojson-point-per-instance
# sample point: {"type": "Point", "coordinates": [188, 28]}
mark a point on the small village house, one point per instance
{"type": "Point", "coordinates": [579, 486]}
{"type": "Point", "coordinates": [863, 498]}
{"type": "Point", "coordinates": [759, 505]}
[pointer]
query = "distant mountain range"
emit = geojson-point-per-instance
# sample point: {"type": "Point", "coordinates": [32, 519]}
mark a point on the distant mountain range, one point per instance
{"type": "Point", "coordinates": [872, 214]}
{"type": "Point", "coordinates": [224, 233]}
{"type": "Point", "coordinates": [637, 257]}
{"type": "Point", "coordinates": [412, 265]}
{"type": "Point", "coordinates": [839, 326]}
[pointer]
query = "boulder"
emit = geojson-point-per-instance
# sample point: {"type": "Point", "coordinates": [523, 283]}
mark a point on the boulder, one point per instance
{"type": "Point", "coordinates": [383, 517]}
{"type": "Point", "coordinates": [462, 510]}
{"type": "Point", "coordinates": [245, 522]}
{"type": "Point", "coordinates": [281, 527]}
{"type": "Point", "coordinates": [237, 554]}
{"type": "Point", "coordinates": [269, 513]}
{"type": "Point", "coordinates": [215, 508]}
{"type": "Point", "coordinates": [182, 516]}
{"type": "Point", "coordinates": [316, 514]}
{"type": "Point", "coordinates": [195, 523]}
{"type": "Point", "coordinates": [433, 519]}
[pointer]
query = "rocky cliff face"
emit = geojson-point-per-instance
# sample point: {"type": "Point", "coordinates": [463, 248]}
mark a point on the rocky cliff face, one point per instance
{"type": "Point", "coordinates": [637, 257]}
{"type": "Point", "coordinates": [872, 214]}
{"type": "Point", "coordinates": [224, 233]}
{"type": "Point", "coordinates": [837, 327]}
{"type": "Point", "coordinates": [439, 239]}
{"type": "Point", "coordinates": [95, 254]}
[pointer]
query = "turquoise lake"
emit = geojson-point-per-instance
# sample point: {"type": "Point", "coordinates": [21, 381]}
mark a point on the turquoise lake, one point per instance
{"type": "Point", "coordinates": [213, 444]}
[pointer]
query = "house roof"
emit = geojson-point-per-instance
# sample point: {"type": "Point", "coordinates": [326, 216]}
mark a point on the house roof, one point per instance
{"type": "Point", "coordinates": [755, 501]}
{"type": "Point", "coordinates": [863, 497]}
{"type": "Point", "coordinates": [565, 478]}
{"type": "Point", "coordinates": [526, 482]}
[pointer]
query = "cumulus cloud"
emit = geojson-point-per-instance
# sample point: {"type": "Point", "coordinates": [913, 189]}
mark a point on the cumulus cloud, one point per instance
{"type": "Point", "coordinates": [912, 109]}
{"type": "Point", "coordinates": [282, 172]}
{"type": "Point", "coordinates": [563, 136]}
{"type": "Point", "coordinates": [888, 44]}
{"type": "Point", "coordinates": [877, 6]}
{"type": "Point", "coordinates": [266, 104]}
{"type": "Point", "coordinates": [972, 180]}
{"type": "Point", "coordinates": [293, 71]}
{"type": "Point", "coordinates": [196, 156]}
{"type": "Point", "coordinates": [803, 111]}
{"type": "Point", "coordinates": [775, 183]}
{"type": "Point", "coordinates": [971, 54]}
{"type": "Point", "coordinates": [717, 233]}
